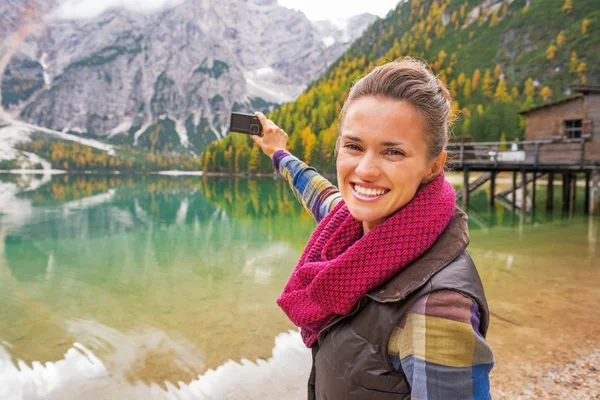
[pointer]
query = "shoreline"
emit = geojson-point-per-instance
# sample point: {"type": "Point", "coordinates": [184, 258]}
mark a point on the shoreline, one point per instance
{"type": "Point", "coordinates": [451, 176]}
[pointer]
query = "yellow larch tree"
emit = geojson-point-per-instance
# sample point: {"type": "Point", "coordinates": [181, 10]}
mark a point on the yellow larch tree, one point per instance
{"type": "Point", "coordinates": [560, 38]}
{"type": "Point", "coordinates": [585, 23]}
{"type": "Point", "coordinates": [467, 89]}
{"type": "Point", "coordinates": [514, 93]}
{"type": "Point", "coordinates": [581, 70]}
{"type": "Point", "coordinates": [475, 79]}
{"type": "Point", "coordinates": [501, 93]}
{"type": "Point", "coordinates": [529, 88]}
{"type": "Point", "coordinates": [551, 52]}
{"type": "Point", "coordinates": [488, 82]}
{"type": "Point", "coordinates": [546, 93]}
{"type": "Point", "coordinates": [497, 71]}
{"type": "Point", "coordinates": [494, 20]}
{"type": "Point", "coordinates": [573, 62]}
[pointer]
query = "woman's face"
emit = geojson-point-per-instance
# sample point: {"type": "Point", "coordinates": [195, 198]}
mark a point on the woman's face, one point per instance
{"type": "Point", "coordinates": [383, 158]}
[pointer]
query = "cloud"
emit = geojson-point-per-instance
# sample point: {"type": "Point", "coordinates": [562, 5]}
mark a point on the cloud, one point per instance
{"type": "Point", "coordinates": [314, 9]}
{"type": "Point", "coordinates": [83, 9]}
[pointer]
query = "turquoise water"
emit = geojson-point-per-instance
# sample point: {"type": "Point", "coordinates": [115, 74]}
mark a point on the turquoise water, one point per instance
{"type": "Point", "coordinates": [165, 278]}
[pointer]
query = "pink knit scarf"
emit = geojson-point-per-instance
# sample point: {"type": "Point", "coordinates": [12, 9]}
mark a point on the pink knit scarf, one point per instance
{"type": "Point", "coordinates": [340, 264]}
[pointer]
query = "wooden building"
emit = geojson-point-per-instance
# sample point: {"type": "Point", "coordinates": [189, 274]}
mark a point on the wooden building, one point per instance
{"type": "Point", "coordinates": [562, 139]}
{"type": "Point", "coordinates": [575, 117]}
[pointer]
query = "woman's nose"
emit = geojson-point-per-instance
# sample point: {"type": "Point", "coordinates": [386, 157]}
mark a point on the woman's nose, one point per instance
{"type": "Point", "coordinates": [368, 169]}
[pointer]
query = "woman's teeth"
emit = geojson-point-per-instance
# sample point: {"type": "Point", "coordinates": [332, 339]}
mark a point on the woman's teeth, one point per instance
{"type": "Point", "coordinates": [369, 192]}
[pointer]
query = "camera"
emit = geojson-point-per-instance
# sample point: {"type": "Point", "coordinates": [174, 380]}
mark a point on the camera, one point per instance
{"type": "Point", "coordinates": [245, 123]}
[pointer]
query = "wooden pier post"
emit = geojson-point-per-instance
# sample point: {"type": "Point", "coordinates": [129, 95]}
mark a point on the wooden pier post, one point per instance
{"type": "Point", "coordinates": [523, 192]}
{"type": "Point", "coordinates": [465, 196]}
{"type": "Point", "coordinates": [514, 190]}
{"type": "Point", "coordinates": [586, 200]}
{"type": "Point", "coordinates": [550, 192]}
{"type": "Point", "coordinates": [595, 194]}
{"type": "Point", "coordinates": [565, 192]}
{"type": "Point", "coordinates": [573, 198]}
{"type": "Point", "coordinates": [533, 191]}
{"type": "Point", "coordinates": [493, 189]}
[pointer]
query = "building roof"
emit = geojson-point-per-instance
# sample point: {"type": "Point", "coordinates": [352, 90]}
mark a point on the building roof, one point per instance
{"type": "Point", "coordinates": [551, 104]}
{"type": "Point", "coordinates": [585, 88]}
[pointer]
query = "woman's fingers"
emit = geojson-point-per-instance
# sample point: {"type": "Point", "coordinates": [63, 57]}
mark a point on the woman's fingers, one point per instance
{"type": "Point", "coordinates": [274, 138]}
{"type": "Point", "coordinates": [266, 123]}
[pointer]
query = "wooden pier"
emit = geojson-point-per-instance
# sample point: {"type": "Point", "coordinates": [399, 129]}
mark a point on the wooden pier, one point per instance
{"type": "Point", "coordinates": [529, 161]}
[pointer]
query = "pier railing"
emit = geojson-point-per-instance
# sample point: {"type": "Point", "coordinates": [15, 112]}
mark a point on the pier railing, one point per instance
{"type": "Point", "coordinates": [525, 153]}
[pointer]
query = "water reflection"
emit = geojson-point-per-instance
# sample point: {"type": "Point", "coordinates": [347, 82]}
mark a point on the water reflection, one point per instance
{"type": "Point", "coordinates": [198, 262]}
{"type": "Point", "coordinates": [148, 286]}
{"type": "Point", "coordinates": [80, 374]}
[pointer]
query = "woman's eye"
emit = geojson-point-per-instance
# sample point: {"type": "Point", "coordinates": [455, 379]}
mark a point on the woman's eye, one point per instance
{"type": "Point", "coordinates": [394, 152]}
{"type": "Point", "coordinates": [352, 146]}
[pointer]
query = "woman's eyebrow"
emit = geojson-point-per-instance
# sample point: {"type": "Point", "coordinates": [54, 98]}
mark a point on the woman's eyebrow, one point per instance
{"type": "Point", "coordinates": [384, 144]}
{"type": "Point", "coordinates": [392, 144]}
{"type": "Point", "coordinates": [353, 138]}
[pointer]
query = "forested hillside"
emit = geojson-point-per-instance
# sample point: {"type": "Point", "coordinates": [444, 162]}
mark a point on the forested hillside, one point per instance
{"type": "Point", "coordinates": [496, 57]}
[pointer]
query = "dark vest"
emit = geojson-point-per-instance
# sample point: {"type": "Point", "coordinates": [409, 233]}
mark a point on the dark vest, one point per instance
{"type": "Point", "coordinates": [350, 359]}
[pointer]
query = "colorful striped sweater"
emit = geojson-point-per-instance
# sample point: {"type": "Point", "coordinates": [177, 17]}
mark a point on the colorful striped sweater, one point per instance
{"type": "Point", "coordinates": [437, 344]}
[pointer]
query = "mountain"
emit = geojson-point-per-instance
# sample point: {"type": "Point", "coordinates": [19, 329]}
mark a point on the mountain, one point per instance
{"type": "Point", "coordinates": [165, 80]}
{"type": "Point", "coordinates": [340, 33]}
{"type": "Point", "coordinates": [495, 56]}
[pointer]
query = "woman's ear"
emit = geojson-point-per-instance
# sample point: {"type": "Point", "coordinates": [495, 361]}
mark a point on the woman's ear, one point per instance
{"type": "Point", "coordinates": [436, 166]}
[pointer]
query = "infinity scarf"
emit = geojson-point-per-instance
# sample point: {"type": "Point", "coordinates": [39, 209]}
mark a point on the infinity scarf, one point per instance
{"type": "Point", "coordinates": [340, 264]}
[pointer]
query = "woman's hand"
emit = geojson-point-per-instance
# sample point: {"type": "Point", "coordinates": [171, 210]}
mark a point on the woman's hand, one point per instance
{"type": "Point", "coordinates": [274, 138]}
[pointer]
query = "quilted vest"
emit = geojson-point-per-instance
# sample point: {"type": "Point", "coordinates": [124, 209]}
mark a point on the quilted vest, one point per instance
{"type": "Point", "coordinates": [350, 359]}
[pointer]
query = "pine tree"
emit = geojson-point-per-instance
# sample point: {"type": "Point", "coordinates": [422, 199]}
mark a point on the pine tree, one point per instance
{"type": "Point", "coordinates": [254, 161]}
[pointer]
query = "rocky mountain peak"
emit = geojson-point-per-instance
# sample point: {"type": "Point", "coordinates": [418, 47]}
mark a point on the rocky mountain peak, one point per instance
{"type": "Point", "coordinates": [177, 71]}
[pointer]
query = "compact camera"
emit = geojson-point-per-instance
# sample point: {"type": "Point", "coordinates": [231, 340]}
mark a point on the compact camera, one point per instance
{"type": "Point", "coordinates": [245, 123]}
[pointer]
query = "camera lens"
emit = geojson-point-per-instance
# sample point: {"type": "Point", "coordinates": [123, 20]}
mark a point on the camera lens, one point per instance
{"type": "Point", "coordinates": [254, 128]}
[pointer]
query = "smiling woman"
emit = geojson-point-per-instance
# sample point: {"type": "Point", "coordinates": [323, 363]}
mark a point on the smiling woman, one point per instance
{"type": "Point", "coordinates": [383, 158]}
{"type": "Point", "coordinates": [385, 294]}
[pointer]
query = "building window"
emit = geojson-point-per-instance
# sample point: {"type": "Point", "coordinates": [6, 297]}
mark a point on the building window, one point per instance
{"type": "Point", "coordinates": [573, 128]}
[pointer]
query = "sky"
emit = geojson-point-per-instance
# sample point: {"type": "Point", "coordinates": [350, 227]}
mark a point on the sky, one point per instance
{"type": "Point", "coordinates": [314, 9]}
{"type": "Point", "coordinates": [332, 9]}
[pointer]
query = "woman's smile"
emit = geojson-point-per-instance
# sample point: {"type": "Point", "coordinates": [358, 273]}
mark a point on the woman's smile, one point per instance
{"type": "Point", "coordinates": [367, 192]}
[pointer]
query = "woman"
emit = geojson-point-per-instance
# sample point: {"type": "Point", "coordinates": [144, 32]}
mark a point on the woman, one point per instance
{"type": "Point", "coordinates": [385, 293]}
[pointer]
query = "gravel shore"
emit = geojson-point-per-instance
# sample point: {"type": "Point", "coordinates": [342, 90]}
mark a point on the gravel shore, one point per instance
{"type": "Point", "coordinates": [574, 380]}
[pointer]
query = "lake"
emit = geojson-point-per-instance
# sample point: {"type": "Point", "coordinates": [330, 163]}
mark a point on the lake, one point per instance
{"type": "Point", "coordinates": [165, 287]}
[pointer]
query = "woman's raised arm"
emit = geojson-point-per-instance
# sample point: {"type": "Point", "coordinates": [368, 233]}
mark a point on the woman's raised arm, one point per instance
{"type": "Point", "coordinates": [316, 194]}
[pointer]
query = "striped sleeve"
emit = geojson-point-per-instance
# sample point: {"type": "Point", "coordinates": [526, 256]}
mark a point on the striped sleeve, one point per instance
{"type": "Point", "coordinates": [438, 346]}
{"type": "Point", "coordinates": [316, 194]}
